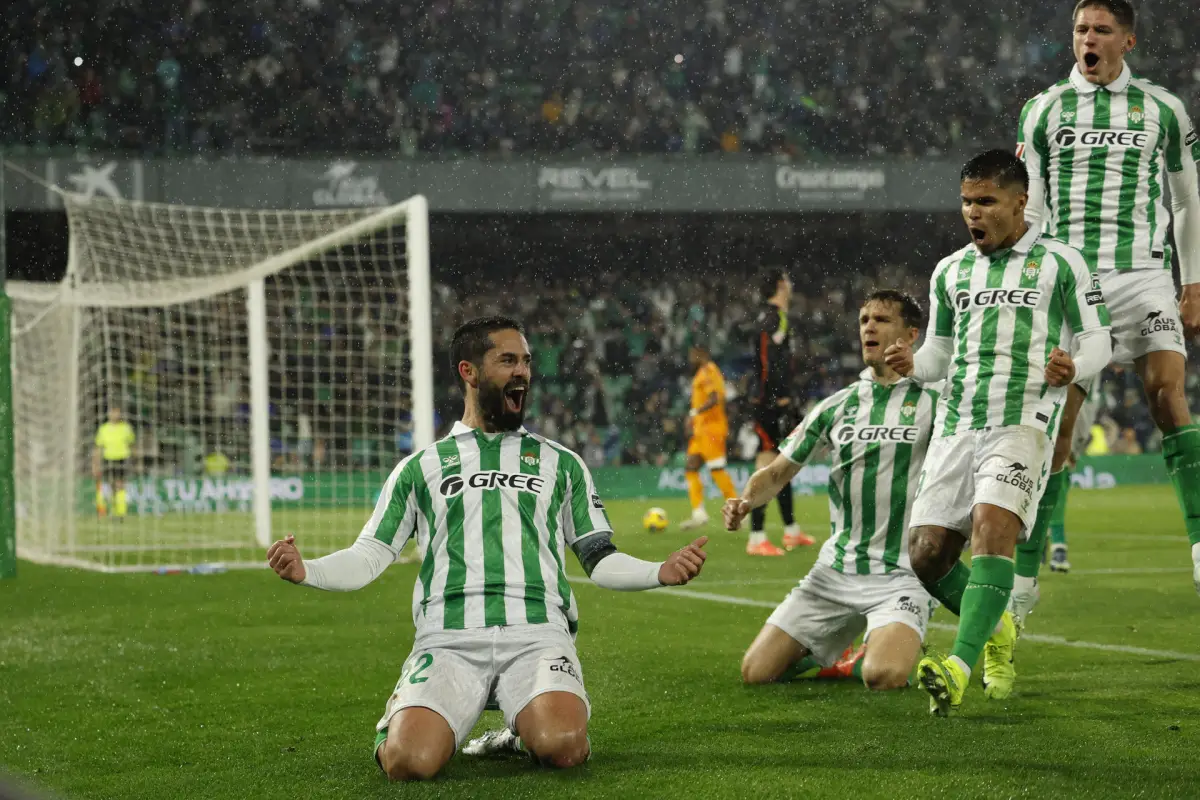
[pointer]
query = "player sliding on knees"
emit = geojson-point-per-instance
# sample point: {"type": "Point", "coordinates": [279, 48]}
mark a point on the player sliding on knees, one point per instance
{"type": "Point", "coordinates": [493, 507]}
{"type": "Point", "coordinates": [1014, 318]}
{"type": "Point", "coordinates": [878, 429]}
{"type": "Point", "coordinates": [1095, 146]}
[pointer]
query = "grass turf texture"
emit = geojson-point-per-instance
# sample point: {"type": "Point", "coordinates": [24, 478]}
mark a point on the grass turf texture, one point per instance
{"type": "Point", "coordinates": [238, 685]}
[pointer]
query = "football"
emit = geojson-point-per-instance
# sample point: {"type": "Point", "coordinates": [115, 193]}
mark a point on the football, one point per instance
{"type": "Point", "coordinates": [655, 520]}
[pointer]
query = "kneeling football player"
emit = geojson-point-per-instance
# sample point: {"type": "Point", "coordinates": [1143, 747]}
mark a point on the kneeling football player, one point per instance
{"type": "Point", "coordinates": [877, 430]}
{"type": "Point", "coordinates": [493, 508]}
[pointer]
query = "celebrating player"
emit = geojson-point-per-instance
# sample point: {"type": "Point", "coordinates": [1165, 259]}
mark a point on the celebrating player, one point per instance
{"type": "Point", "coordinates": [1096, 145]}
{"type": "Point", "coordinates": [1014, 318]}
{"type": "Point", "coordinates": [110, 462]}
{"type": "Point", "coordinates": [708, 429]}
{"type": "Point", "coordinates": [774, 412]}
{"type": "Point", "coordinates": [878, 429]}
{"type": "Point", "coordinates": [492, 507]}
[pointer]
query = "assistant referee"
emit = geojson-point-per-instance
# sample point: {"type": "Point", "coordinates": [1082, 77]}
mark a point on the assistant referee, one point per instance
{"type": "Point", "coordinates": [110, 461]}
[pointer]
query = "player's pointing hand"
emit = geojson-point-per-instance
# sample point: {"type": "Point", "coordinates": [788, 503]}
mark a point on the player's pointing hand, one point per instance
{"type": "Point", "coordinates": [284, 558]}
{"type": "Point", "coordinates": [899, 357]}
{"type": "Point", "coordinates": [1060, 369]}
{"type": "Point", "coordinates": [734, 511]}
{"type": "Point", "coordinates": [683, 565]}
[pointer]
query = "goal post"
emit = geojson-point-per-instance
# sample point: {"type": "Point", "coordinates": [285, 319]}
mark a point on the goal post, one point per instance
{"type": "Point", "coordinates": [273, 367]}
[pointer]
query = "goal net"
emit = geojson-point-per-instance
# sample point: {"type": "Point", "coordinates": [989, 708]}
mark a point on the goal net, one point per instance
{"type": "Point", "coordinates": [273, 367]}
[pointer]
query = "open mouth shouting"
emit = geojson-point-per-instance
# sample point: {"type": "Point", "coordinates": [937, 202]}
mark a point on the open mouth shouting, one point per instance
{"type": "Point", "coordinates": [514, 398]}
{"type": "Point", "coordinates": [1091, 61]}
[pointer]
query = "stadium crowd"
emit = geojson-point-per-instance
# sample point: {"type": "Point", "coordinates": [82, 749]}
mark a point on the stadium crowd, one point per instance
{"type": "Point", "coordinates": [610, 365]}
{"type": "Point", "coordinates": [796, 78]}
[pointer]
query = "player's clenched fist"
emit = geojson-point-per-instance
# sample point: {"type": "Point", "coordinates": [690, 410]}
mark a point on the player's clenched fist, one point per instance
{"type": "Point", "coordinates": [734, 511]}
{"type": "Point", "coordinates": [285, 559]}
{"type": "Point", "coordinates": [683, 565]}
{"type": "Point", "coordinates": [1060, 369]}
{"type": "Point", "coordinates": [899, 356]}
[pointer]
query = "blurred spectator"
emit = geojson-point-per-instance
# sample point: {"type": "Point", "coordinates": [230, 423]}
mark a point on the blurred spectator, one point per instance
{"type": "Point", "coordinates": [802, 79]}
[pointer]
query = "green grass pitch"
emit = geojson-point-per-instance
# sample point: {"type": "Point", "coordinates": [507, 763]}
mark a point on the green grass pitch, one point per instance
{"type": "Point", "coordinates": [238, 685]}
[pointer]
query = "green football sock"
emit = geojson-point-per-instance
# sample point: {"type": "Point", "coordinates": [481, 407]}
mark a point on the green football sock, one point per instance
{"type": "Point", "coordinates": [1029, 553]}
{"type": "Point", "coordinates": [798, 670]}
{"type": "Point", "coordinates": [949, 590]}
{"type": "Point", "coordinates": [1058, 521]}
{"type": "Point", "coordinates": [983, 603]}
{"type": "Point", "coordinates": [1181, 451]}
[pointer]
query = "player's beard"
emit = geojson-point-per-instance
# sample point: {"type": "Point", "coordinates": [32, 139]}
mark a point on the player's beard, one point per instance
{"type": "Point", "coordinates": [494, 411]}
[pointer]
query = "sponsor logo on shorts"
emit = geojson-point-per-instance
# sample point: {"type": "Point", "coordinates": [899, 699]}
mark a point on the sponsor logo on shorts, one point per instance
{"type": "Point", "coordinates": [454, 484]}
{"type": "Point", "coordinates": [990, 298]}
{"type": "Point", "coordinates": [1155, 322]}
{"type": "Point", "coordinates": [906, 603]}
{"type": "Point", "coordinates": [886, 434]}
{"type": "Point", "coordinates": [564, 665]}
{"type": "Point", "coordinates": [1017, 474]}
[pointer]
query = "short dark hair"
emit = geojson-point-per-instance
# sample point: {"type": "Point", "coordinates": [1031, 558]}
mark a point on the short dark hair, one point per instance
{"type": "Point", "coordinates": [473, 338]}
{"type": "Point", "coordinates": [1122, 10]}
{"type": "Point", "coordinates": [910, 309]}
{"type": "Point", "coordinates": [768, 282]}
{"type": "Point", "coordinates": [1001, 166]}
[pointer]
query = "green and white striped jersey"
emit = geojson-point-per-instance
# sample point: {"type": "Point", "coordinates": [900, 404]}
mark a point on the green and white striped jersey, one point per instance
{"type": "Point", "coordinates": [1005, 314]}
{"type": "Point", "coordinates": [1101, 152]}
{"type": "Point", "coordinates": [493, 515]}
{"type": "Point", "coordinates": [877, 435]}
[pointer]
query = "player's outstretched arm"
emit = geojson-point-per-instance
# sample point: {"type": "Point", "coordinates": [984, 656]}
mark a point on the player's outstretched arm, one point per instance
{"type": "Point", "coordinates": [609, 568]}
{"type": "Point", "coordinates": [1185, 212]}
{"type": "Point", "coordinates": [343, 571]}
{"type": "Point", "coordinates": [760, 489]}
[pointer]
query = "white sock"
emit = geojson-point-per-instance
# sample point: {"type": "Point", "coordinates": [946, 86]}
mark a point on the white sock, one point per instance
{"type": "Point", "coordinates": [1196, 553]}
{"type": "Point", "coordinates": [1024, 597]}
{"type": "Point", "coordinates": [962, 664]}
{"type": "Point", "coordinates": [791, 530]}
{"type": "Point", "coordinates": [757, 538]}
{"type": "Point", "coordinates": [699, 513]}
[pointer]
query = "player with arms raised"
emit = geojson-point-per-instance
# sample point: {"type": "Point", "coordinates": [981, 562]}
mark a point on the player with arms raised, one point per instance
{"type": "Point", "coordinates": [877, 429]}
{"type": "Point", "coordinates": [708, 432]}
{"type": "Point", "coordinates": [775, 413]}
{"type": "Point", "coordinates": [493, 509]}
{"type": "Point", "coordinates": [1097, 146]}
{"type": "Point", "coordinates": [1014, 318]}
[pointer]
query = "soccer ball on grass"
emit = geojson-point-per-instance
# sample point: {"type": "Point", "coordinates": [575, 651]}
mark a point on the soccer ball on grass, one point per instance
{"type": "Point", "coordinates": [655, 520]}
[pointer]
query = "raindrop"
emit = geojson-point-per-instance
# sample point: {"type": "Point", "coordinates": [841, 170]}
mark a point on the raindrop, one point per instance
{"type": "Point", "coordinates": [678, 58]}
{"type": "Point", "coordinates": [79, 61]}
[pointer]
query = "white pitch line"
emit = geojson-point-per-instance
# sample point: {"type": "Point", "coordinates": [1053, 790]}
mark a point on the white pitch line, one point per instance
{"type": "Point", "coordinates": [1130, 571]}
{"type": "Point", "coordinates": [1032, 637]}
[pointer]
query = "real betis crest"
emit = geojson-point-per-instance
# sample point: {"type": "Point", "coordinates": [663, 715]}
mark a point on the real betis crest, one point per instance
{"type": "Point", "coordinates": [908, 412]}
{"type": "Point", "coordinates": [530, 459]}
{"type": "Point", "coordinates": [1136, 115]}
{"type": "Point", "coordinates": [1031, 269]}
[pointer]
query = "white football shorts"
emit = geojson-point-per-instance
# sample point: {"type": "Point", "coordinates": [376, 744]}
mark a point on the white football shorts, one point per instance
{"type": "Point", "coordinates": [1144, 311]}
{"type": "Point", "coordinates": [829, 609]}
{"type": "Point", "coordinates": [1005, 467]}
{"type": "Point", "coordinates": [455, 673]}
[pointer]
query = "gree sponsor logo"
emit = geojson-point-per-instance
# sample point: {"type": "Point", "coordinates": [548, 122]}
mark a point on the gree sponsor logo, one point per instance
{"type": "Point", "coordinates": [1070, 137]}
{"type": "Point", "coordinates": [884, 434]}
{"type": "Point", "coordinates": [991, 298]}
{"type": "Point", "coordinates": [454, 484]}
